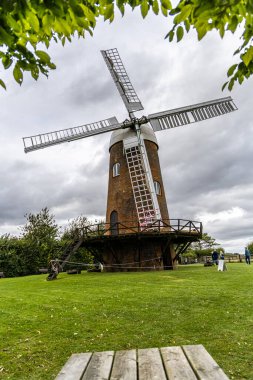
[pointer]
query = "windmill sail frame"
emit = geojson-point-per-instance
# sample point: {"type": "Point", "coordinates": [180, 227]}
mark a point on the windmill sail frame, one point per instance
{"type": "Point", "coordinates": [191, 114]}
{"type": "Point", "coordinates": [122, 81]}
{"type": "Point", "coordinates": [70, 134]}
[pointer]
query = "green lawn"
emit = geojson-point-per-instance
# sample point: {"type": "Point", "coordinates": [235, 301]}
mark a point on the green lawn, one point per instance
{"type": "Point", "coordinates": [42, 323]}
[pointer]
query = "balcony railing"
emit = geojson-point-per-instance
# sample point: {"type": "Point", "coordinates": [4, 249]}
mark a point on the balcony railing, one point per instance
{"type": "Point", "coordinates": [160, 226]}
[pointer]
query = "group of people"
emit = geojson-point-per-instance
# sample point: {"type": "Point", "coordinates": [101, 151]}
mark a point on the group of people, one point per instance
{"type": "Point", "coordinates": [216, 257]}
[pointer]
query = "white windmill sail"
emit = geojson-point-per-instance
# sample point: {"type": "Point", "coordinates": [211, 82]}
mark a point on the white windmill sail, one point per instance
{"type": "Point", "coordinates": [121, 79]}
{"type": "Point", "coordinates": [191, 114]}
{"type": "Point", "coordinates": [70, 134]}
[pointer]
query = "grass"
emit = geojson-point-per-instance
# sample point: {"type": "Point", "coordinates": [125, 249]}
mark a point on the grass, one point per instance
{"type": "Point", "coordinates": [42, 323]}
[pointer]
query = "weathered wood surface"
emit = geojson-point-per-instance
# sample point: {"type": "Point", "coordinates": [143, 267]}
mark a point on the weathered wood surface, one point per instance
{"type": "Point", "coordinates": [203, 363]}
{"type": "Point", "coordinates": [75, 367]}
{"type": "Point", "coordinates": [124, 366]}
{"type": "Point", "coordinates": [190, 362]}
{"type": "Point", "coordinates": [176, 365]}
{"type": "Point", "coordinates": [150, 365]}
{"type": "Point", "coordinates": [99, 366]}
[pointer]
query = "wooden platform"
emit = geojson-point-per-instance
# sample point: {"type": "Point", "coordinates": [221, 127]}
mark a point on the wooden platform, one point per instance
{"type": "Point", "coordinates": [167, 363]}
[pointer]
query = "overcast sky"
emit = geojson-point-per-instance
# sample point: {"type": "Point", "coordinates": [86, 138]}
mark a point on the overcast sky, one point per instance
{"type": "Point", "coordinates": [206, 166]}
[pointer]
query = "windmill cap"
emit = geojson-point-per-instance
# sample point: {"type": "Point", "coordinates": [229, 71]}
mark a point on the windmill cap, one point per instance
{"type": "Point", "coordinates": [121, 134]}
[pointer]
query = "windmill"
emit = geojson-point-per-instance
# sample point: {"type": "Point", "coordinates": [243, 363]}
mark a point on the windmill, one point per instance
{"type": "Point", "coordinates": [138, 227]}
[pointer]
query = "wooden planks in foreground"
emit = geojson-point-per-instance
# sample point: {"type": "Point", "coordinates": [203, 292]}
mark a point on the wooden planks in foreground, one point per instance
{"type": "Point", "coordinates": [190, 362]}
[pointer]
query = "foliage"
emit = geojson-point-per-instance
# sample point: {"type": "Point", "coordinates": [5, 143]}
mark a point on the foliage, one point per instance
{"type": "Point", "coordinates": [73, 232]}
{"type": "Point", "coordinates": [42, 323]}
{"type": "Point", "coordinates": [40, 232]}
{"type": "Point", "coordinates": [250, 247]}
{"type": "Point", "coordinates": [224, 16]}
{"type": "Point", "coordinates": [28, 26]}
{"type": "Point", "coordinates": [202, 247]}
{"type": "Point", "coordinates": [74, 229]}
{"type": "Point", "coordinates": [39, 243]}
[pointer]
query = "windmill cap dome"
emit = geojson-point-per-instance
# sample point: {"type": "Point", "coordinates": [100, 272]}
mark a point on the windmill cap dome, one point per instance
{"type": "Point", "coordinates": [121, 134]}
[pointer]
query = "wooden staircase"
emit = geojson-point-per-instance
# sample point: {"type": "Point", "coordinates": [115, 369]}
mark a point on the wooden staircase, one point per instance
{"type": "Point", "coordinates": [58, 265]}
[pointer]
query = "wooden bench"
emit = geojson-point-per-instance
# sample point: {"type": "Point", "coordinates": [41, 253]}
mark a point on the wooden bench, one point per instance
{"type": "Point", "coordinates": [43, 270]}
{"type": "Point", "coordinates": [2, 275]}
{"type": "Point", "coordinates": [191, 362]}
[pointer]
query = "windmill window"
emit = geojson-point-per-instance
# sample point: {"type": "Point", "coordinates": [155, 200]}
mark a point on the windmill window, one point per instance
{"type": "Point", "coordinates": [157, 186]}
{"type": "Point", "coordinates": [116, 169]}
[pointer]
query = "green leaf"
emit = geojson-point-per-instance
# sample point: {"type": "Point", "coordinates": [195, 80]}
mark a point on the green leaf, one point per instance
{"type": "Point", "coordinates": [164, 11]}
{"type": "Point", "coordinates": [47, 23]}
{"type": "Point", "coordinates": [187, 25]}
{"type": "Point", "coordinates": [62, 27]}
{"type": "Point", "coordinates": [201, 32]}
{"type": "Point", "coordinates": [33, 21]}
{"type": "Point", "coordinates": [7, 62]}
{"type": "Point", "coordinates": [231, 84]}
{"type": "Point", "coordinates": [43, 56]}
{"type": "Point", "coordinates": [241, 79]}
{"type": "Point", "coordinates": [35, 72]}
{"type": "Point", "coordinates": [155, 7]}
{"type": "Point", "coordinates": [5, 37]}
{"type": "Point", "coordinates": [222, 31]}
{"type": "Point", "coordinates": [180, 33]}
{"type": "Point", "coordinates": [170, 35]}
{"type": "Point", "coordinates": [224, 86]}
{"type": "Point", "coordinates": [233, 24]}
{"type": "Point", "coordinates": [51, 65]}
{"type": "Point", "coordinates": [166, 4]}
{"type": "Point", "coordinates": [248, 56]}
{"type": "Point", "coordinates": [231, 70]}
{"type": "Point", "coordinates": [186, 11]}
{"type": "Point", "coordinates": [144, 8]}
{"type": "Point", "coordinates": [2, 84]}
{"type": "Point", "coordinates": [17, 73]}
{"type": "Point", "coordinates": [109, 12]}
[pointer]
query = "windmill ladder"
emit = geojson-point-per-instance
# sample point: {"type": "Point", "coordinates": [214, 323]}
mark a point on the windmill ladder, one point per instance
{"type": "Point", "coordinates": [142, 194]}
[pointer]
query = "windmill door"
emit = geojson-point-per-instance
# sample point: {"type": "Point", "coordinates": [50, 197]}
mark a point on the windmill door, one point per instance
{"type": "Point", "coordinates": [114, 223]}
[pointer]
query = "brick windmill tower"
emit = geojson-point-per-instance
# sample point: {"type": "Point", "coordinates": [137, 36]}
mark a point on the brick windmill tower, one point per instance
{"type": "Point", "coordinates": [138, 232]}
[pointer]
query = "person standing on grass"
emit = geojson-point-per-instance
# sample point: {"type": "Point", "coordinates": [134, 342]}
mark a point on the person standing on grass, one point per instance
{"type": "Point", "coordinates": [247, 255]}
{"type": "Point", "coordinates": [215, 257]}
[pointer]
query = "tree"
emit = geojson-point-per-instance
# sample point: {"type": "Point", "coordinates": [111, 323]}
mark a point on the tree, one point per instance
{"type": "Point", "coordinates": [250, 247]}
{"type": "Point", "coordinates": [224, 16]}
{"type": "Point", "coordinates": [26, 25]}
{"type": "Point", "coordinates": [203, 247]}
{"type": "Point", "coordinates": [40, 233]}
{"type": "Point", "coordinates": [74, 229]}
{"type": "Point", "coordinates": [74, 232]}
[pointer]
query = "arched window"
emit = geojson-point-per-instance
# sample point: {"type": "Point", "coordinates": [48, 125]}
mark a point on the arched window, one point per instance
{"type": "Point", "coordinates": [116, 169]}
{"type": "Point", "coordinates": [157, 186]}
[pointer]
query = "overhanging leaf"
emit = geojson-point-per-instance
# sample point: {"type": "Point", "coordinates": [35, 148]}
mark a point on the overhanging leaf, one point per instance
{"type": "Point", "coordinates": [43, 56]}
{"type": "Point", "coordinates": [17, 73]}
{"type": "Point", "coordinates": [186, 11]}
{"type": "Point", "coordinates": [2, 84]}
{"type": "Point", "coordinates": [248, 56]}
{"type": "Point", "coordinates": [231, 70]}
{"type": "Point", "coordinates": [180, 33]}
{"type": "Point", "coordinates": [144, 8]}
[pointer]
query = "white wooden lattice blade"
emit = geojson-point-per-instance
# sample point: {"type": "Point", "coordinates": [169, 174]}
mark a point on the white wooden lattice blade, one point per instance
{"type": "Point", "coordinates": [191, 114]}
{"type": "Point", "coordinates": [70, 134]}
{"type": "Point", "coordinates": [121, 79]}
